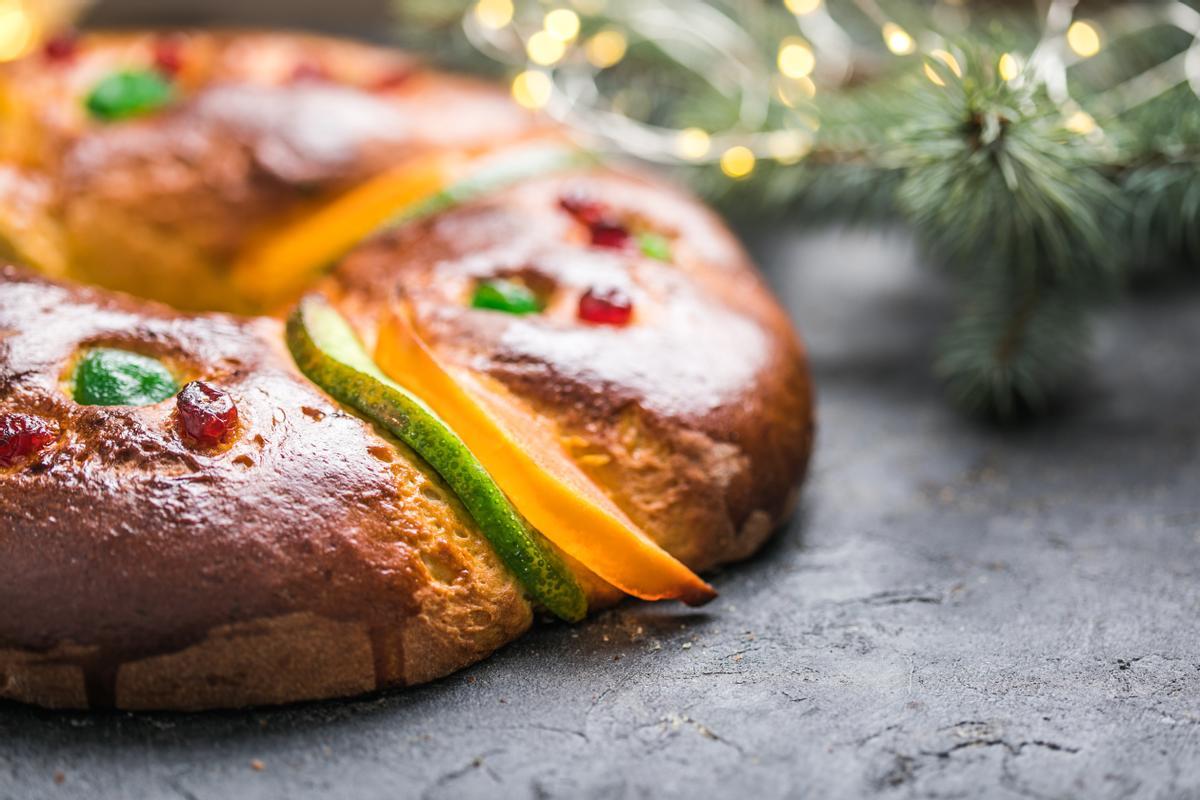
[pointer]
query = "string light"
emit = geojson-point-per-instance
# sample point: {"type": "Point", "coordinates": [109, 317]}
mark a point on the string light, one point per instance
{"type": "Point", "coordinates": [18, 30]}
{"type": "Point", "coordinates": [738, 161]}
{"type": "Point", "coordinates": [606, 48]}
{"type": "Point", "coordinates": [562, 24]}
{"type": "Point", "coordinates": [728, 53]}
{"type": "Point", "coordinates": [1083, 39]}
{"type": "Point", "coordinates": [897, 39]}
{"type": "Point", "coordinates": [545, 48]}
{"type": "Point", "coordinates": [692, 144]}
{"type": "Point", "coordinates": [494, 14]}
{"type": "Point", "coordinates": [1009, 67]}
{"type": "Point", "coordinates": [532, 89]}
{"type": "Point", "coordinates": [802, 7]}
{"type": "Point", "coordinates": [795, 58]}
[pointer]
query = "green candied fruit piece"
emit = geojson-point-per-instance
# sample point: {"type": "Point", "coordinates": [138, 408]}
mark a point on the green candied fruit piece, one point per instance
{"type": "Point", "coordinates": [129, 94]}
{"type": "Point", "coordinates": [327, 350]}
{"type": "Point", "coordinates": [653, 245]}
{"type": "Point", "coordinates": [109, 377]}
{"type": "Point", "coordinates": [511, 297]}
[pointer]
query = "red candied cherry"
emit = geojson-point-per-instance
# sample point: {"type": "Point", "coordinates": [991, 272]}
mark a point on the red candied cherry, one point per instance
{"type": "Point", "coordinates": [23, 435]}
{"type": "Point", "coordinates": [610, 234]}
{"type": "Point", "coordinates": [168, 55]}
{"type": "Point", "coordinates": [605, 229]}
{"type": "Point", "coordinates": [61, 47]}
{"type": "Point", "coordinates": [392, 79]}
{"type": "Point", "coordinates": [606, 306]}
{"type": "Point", "coordinates": [582, 207]}
{"type": "Point", "coordinates": [207, 414]}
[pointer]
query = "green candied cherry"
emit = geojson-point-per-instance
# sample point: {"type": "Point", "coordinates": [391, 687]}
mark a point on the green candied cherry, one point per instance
{"type": "Point", "coordinates": [500, 294]}
{"type": "Point", "coordinates": [654, 245]}
{"type": "Point", "coordinates": [327, 350]}
{"type": "Point", "coordinates": [129, 93]}
{"type": "Point", "coordinates": [109, 377]}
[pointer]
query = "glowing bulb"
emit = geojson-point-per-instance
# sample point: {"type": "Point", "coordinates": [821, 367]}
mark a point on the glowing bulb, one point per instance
{"type": "Point", "coordinates": [1084, 39]}
{"type": "Point", "coordinates": [605, 48]}
{"type": "Point", "coordinates": [692, 143]}
{"type": "Point", "coordinates": [532, 89]}
{"type": "Point", "coordinates": [795, 59]}
{"type": "Point", "coordinates": [494, 14]}
{"type": "Point", "coordinates": [946, 58]}
{"type": "Point", "coordinates": [802, 7]}
{"type": "Point", "coordinates": [562, 24]}
{"type": "Point", "coordinates": [1081, 122]}
{"type": "Point", "coordinates": [949, 60]}
{"type": "Point", "coordinates": [17, 31]}
{"type": "Point", "coordinates": [544, 48]}
{"type": "Point", "coordinates": [788, 147]}
{"type": "Point", "coordinates": [1009, 67]}
{"type": "Point", "coordinates": [737, 162]}
{"type": "Point", "coordinates": [898, 40]}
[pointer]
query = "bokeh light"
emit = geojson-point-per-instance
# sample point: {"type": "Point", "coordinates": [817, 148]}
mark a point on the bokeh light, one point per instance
{"type": "Point", "coordinates": [606, 48]}
{"type": "Point", "coordinates": [532, 89]}
{"type": "Point", "coordinates": [737, 161]}
{"type": "Point", "coordinates": [562, 24]}
{"type": "Point", "coordinates": [898, 40]}
{"type": "Point", "coordinates": [494, 14]}
{"type": "Point", "coordinates": [692, 143]}
{"type": "Point", "coordinates": [1084, 39]}
{"type": "Point", "coordinates": [796, 58]}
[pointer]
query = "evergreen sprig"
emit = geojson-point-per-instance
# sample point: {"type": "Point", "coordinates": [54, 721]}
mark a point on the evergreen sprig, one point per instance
{"type": "Point", "coordinates": [1036, 219]}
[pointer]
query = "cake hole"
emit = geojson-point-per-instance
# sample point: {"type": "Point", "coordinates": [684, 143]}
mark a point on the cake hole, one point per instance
{"type": "Point", "coordinates": [438, 569]}
{"type": "Point", "coordinates": [433, 493]}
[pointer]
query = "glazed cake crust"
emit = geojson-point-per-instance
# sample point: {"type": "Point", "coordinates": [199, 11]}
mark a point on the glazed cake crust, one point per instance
{"type": "Point", "coordinates": [314, 556]}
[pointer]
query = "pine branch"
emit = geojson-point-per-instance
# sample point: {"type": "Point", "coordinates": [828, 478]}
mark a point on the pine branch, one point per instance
{"type": "Point", "coordinates": [1037, 223]}
{"type": "Point", "coordinates": [1013, 343]}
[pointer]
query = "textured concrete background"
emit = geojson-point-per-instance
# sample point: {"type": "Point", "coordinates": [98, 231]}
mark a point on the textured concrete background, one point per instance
{"type": "Point", "coordinates": [956, 612]}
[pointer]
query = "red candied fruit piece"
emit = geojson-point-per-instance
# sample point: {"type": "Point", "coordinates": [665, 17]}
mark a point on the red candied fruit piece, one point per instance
{"type": "Point", "coordinates": [582, 207]}
{"type": "Point", "coordinates": [168, 55]}
{"type": "Point", "coordinates": [61, 47]}
{"type": "Point", "coordinates": [22, 435]}
{"type": "Point", "coordinates": [392, 79]}
{"type": "Point", "coordinates": [605, 229]}
{"type": "Point", "coordinates": [207, 414]}
{"type": "Point", "coordinates": [610, 234]}
{"type": "Point", "coordinates": [607, 306]}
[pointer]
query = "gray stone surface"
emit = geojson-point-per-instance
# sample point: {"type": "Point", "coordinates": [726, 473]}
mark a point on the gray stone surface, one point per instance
{"type": "Point", "coordinates": [957, 611]}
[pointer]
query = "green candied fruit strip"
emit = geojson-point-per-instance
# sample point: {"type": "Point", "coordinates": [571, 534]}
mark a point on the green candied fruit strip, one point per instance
{"type": "Point", "coordinates": [129, 93]}
{"type": "Point", "coordinates": [654, 246]}
{"type": "Point", "coordinates": [508, 296]}
{"type": "Point", "coordinates": [110, 377]}
{"type": "Point", "coordinates": [329, 353]}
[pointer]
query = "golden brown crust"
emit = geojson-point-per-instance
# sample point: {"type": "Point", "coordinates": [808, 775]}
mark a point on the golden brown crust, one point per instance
{"type": "Point", "coordinates": [267, 127]}
{"type": "Point", "coordinates": [697, 418]}
{"type": "Point", "coordinates": [315, 557]}
{"type": "Point", "coordinates": [122, 544]}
